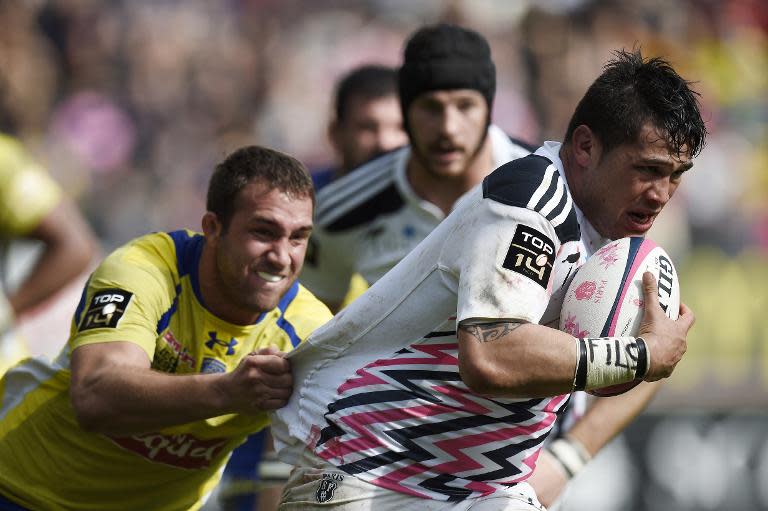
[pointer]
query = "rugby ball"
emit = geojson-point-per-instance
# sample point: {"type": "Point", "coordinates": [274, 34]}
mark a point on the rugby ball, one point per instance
{"type": "Point", "coordinates": [605, 297]}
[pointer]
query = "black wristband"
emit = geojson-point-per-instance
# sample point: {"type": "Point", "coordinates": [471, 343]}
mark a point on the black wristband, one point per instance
{"type": "Point", "coordinates": [580, 380]}
{"type": "Point", "coordinates": [642, 358]}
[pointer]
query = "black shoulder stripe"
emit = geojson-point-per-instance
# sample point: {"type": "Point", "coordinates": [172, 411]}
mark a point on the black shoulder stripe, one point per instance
{"type": "Point", "coordinates": [532, 182]}
{"type": "Point", "coordinates": [568, 229]}
{"type": "Point", "coordinates": [522, 143]}
{"type": "Point", "coordinates": [386, 201]}
{"type": "Point", "coordinates": [515, 182]}
{"type": "Point", "coordinates": [365, 179]}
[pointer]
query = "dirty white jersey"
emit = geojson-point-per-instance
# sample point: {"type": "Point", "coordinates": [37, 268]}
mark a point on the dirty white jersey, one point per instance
{"type": "Point", "coordinates": [367, 221]}
{"type": "Point", "coordinates": [378, 392]}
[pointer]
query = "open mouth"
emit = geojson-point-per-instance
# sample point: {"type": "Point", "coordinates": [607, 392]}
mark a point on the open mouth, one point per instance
{"type": "Point", "coordinates": [270, 277]}
{"type": "Point", "coordinates": [642, 221]}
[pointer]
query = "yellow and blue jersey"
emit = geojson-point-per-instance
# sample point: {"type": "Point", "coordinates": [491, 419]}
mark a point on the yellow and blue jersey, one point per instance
{"type": "Point", "coordinates": [146, 292]}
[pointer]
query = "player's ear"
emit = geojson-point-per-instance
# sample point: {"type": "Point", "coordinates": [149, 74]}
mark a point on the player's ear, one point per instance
{"type": "Point", "coordinates": [212, 227]}
{"type": "Point", "coordinates": [585, 146]}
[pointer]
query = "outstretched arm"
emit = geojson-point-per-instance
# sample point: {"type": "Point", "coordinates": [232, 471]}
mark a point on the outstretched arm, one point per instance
{"type": "Point", "coordinates": [114, 391]}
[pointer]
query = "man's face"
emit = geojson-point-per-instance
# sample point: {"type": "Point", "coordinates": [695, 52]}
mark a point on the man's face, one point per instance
{"type": "Point", "coordinates": [447, 129]}
{"type": "Point", "coordinates": [260, 254]}
{"type": "Point", "coordinates": [372, 126]}
{"type": "Point", "coordinates": [623, 191]}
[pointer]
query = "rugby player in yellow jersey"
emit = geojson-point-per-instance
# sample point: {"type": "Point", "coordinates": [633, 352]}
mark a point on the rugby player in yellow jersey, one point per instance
{"type": "Point", "coordinates": [174, 356]}
{"type": "Point", "coordinates": [33, 207]}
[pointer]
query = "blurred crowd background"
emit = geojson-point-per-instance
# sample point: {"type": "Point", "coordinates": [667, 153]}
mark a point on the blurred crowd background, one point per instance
{"type": "Point", "coordinates": [130, 103]}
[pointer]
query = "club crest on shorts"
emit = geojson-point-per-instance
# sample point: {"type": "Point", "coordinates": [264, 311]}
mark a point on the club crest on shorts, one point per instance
{"type": "Point", "coordinates": [328, 485]}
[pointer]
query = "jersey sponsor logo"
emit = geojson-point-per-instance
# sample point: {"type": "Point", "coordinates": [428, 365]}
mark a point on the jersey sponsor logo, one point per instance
{"type": "Point", "coordinates": [171, 354]}
{"type": "Point", "coordinates": [327, 487]}
{"type": "Point", "coordinates": [183, 450]}
{"type": "Point", "coordinates": [211, 365]}
{"type": "Point", "coordinates": [530, 254]}
{"type": "Point", "coordinates": [214, 341]}
{"type": "Point", "coordinates": [105, 309]}
{"type": "Point", "coordinates": [181, 351]}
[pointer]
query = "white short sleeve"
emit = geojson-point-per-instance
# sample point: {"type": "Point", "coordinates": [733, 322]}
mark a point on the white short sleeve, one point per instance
{"type": "Point", "coordinates": [505, 259]}
{"type": "Point", "coordinates": [328, 266]}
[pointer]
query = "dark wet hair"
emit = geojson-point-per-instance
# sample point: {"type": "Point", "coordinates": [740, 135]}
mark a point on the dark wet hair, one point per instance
{"type": "Point", "coordinates": [632, 91]}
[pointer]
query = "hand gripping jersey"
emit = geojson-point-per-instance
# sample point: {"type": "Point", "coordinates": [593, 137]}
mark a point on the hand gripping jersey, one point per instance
{"type": "Point", "coordinates": [27, 195]}
{"type": "Point", "coordinates": [380, 395]}
{"type": "Point", "coordinates": [146, 292]}
{"type": "Point", "coordinates": [368, 220]}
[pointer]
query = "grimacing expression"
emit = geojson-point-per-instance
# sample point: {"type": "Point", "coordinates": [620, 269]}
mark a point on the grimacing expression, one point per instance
{"type": "Point", "coordinates": [447, 129]}
{"type": "Point", "coordinates": [260, 254]}
{"type": "Point", "coordinates": [371, 126]}
{"type": "Point", "coordinates": [625, 189]}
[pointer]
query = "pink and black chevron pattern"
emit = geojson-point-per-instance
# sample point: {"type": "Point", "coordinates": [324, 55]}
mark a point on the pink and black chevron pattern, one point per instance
{"type": "Point", "coordinates": [408, 423]}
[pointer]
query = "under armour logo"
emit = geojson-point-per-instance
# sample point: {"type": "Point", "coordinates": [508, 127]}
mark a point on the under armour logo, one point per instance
{"type": "Point", "coordinates": [213, 341]}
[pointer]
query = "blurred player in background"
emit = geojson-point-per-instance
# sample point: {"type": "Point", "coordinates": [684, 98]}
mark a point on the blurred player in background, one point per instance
{"type": "Point", "coordinates": [33, 207]}
{"type": "Point", "coordinates": [366, 123]}
{"type": "Point", "coordinates": [174, 356]}
{"type": "Point", "coordinates": [360, 434]}
{"type": "Point", "coordinates": [369, 220]}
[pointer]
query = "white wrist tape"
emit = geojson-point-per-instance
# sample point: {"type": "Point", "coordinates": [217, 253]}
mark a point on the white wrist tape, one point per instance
{"type": "Point", "coordinates": [607, 361]}
{"type": "Point", "coordinates": [571, 455]}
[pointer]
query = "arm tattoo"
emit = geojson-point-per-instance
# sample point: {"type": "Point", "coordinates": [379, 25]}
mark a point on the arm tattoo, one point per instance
{"type": "Point", "coordinates": [487, 332]}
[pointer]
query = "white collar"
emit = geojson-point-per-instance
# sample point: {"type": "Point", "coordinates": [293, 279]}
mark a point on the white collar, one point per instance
{"type": "Point", "coordinates": [591, 239]}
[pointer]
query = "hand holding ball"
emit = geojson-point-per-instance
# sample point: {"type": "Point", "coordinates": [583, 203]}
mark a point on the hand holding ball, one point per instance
{"type": "Point", "coordinates": [605, 298]}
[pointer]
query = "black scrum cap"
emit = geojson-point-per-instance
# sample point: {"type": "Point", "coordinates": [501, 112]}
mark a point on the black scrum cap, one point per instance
{"type": "Point", "coordinates": [444, 57]}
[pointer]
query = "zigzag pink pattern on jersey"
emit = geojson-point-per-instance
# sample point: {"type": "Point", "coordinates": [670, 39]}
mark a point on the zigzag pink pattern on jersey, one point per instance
{"type": "Point", "coordinates": [364, 425]}
{"type": "Point", "coordinates": [358, 422]}
{"type": "Point", "coordinates": [437, 354]}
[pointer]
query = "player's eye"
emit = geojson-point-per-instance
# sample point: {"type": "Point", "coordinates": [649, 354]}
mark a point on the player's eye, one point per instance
{"type": "Point", "coordinates": [262, 234]}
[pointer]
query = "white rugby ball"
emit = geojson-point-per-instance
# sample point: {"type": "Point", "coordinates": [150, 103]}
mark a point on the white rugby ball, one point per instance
{"type": "Point", "coordinates": [605, 297]}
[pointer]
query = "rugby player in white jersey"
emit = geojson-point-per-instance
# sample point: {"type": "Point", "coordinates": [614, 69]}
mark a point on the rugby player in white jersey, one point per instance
{"type": "Point", "coordinates": [437, 388]}
{"type": "Point", "coordinates": [367, 221]}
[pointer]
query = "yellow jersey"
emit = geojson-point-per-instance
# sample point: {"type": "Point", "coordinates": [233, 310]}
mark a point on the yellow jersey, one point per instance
{"type": "Point", "coordinates": [27, 195]}
{"type": "Point", "coordinates": [146, 292]}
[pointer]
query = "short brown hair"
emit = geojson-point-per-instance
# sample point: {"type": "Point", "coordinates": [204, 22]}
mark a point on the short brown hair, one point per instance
{"type": "Point", "coordinates": [273, 168]}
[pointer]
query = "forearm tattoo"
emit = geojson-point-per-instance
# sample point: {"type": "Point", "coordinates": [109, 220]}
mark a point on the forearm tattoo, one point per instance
{"type": "Point", "coordinates": [487, 332]}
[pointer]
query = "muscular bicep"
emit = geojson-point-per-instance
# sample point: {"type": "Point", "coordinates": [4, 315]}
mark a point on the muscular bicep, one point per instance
{"type": "Point", "coordinates": [515, 359]}
{"type": "Point", "coordinates": [479, 343]}
{"type": "Point", "coordinates": [90, 362]}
